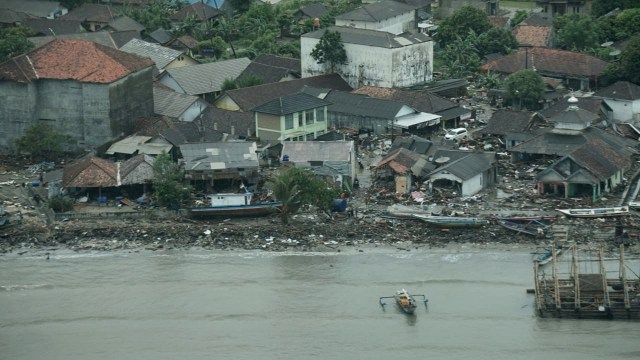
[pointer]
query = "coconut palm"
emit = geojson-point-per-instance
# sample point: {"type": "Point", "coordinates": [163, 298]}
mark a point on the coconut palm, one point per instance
{"type": "Point", "coordinates": [285, 190]}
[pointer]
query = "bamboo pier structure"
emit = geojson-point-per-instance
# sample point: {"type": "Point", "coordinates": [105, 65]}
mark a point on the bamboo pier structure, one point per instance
{"type": "Point", "coordinates": [587, 290]}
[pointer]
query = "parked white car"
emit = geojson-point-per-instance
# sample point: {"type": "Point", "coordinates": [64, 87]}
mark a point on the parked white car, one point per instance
{"type": "Point", "coordinates": [456, 134]}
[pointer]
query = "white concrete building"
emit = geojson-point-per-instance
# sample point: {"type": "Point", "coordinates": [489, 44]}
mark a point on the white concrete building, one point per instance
{"type": "Point", "coordinates": [374, 58]}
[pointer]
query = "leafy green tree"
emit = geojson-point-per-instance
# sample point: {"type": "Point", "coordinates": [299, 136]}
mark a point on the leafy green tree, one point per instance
{"type": "Point", "coordinates": [496, 40]}
{"type": "Point", "coordinates": [240, 6]}
{"type": "Point", "coordinates": [463, 20]}
{"type": "Point", "coordinates": [249, 80]}
{"type": "Point", "coordinates": [628, 21]}
{"type": "Point", "coordinates": [330, 50]}
{"type": "Point", "coordinates": [60, 203]}
{"type": "Point", "coordinates": [460, 57]}
{"type": "Point", "coordinates": [630, 60]}
{"type": "Point", "coordinates": [216, 45]}
{"type": "Point", "coordinates": [43, 142]}
{"type": "Point", "coordinates": [167, 182]}
{"type": "Point", "coordinates": [577, 33]}
{"type": "Point", "coordinates": [601, 7]}
{"type": "Point", "coordinates": [153, 15]}
{"type": "Point", "coordinates": [525, 85]}
{"type": "Point", "coordinates": [14, 42]}
{"type": "Point", "coordinates": [228, 84]}
{"type": "Point", "coordinates": [519, 16]}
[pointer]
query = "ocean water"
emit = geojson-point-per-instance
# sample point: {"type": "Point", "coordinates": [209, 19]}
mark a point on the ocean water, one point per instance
{"type": "Point", "coordinates": [199, 304]}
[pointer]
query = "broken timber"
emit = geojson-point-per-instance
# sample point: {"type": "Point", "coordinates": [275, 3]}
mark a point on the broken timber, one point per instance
{"type": "Point", "coordinates": [586, 292]}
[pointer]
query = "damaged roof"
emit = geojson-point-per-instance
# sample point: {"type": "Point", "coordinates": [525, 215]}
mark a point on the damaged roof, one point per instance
{"type": "Point", "coordinates": [401, 161]}
{"type": "Point", "coordinates": [219, 156]}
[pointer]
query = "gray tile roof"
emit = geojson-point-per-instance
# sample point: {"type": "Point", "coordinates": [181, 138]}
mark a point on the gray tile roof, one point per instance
{"type": "Point", "coordinates": [372, 38]}
{"type": "Point", "coordinates": [218, 156]}
{"type": "Point", "coordinates": [51, 27]}
{"type": "Point", "coordinates": [91, 12]}
{"type": "Point", "coordinates": [124, 23]}
{"type": "Point", "coordinates": [162, 36]}
{"type": "Point", "coordinates": [266, 73]}
{"type": "Point", "coordinates": [209, 77]}
{"type": "Point", "coordinates": [376, 12]}
{"type": "Point", "coordinates": [420, 100]}
{"type": "Point", "coordinates": [33, 8]}
{"type": "Point", "coordinates": [590, 104]}
{"type": "Point", "coordinates": [468, 166]}
{"type": "Point", "coordinates": [171, 103]}
{"type": "Point", "coordinates": [240, 123]}
{"type": "Point", "coordinates": [290, 104]}
{"type": "Point", "coordinates": [622, 90]}
{"type": "Point", "coordinates": [550, 143]}
{"type": "Point", "coordinates": [362, 105]}
{"type": "Point", "coordinates": [160, 55]}
{"type": "Point", "coordinates": [504, 122]}
{"type": "Point", "coordinates": [250, 97]}
{"type": "Point", "coordinates": [100, 37]}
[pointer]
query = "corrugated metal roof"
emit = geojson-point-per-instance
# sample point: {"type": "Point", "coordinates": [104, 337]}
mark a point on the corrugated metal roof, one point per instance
{"type": "Point", "coordinates": [218, 156]}
{"type": "Point", "coordinates": [160, 55]}
{"type": "Point", "coordinates": [128, 145]}
{"type": "Point", "coordinates": [468, 166]}
{"type": "Point", "coordinates": [304, 151]}
{"type": "Point", "coordinates": [207, 78]}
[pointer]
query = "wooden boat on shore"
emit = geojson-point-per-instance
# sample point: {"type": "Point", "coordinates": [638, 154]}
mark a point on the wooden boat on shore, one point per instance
{"type": "Point", "coordinates": [596, 213]}
{"type": "Point", "coordinates": [453, 221]}
{"type": "Point", "coordinates": [533, 227]}
{"type": "Point", "coordinates": [405, 301]}
{"type": "Point", "coordinates": [235, 205]}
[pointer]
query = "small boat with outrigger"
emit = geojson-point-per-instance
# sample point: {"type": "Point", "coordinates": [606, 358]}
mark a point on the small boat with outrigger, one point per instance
{"type": "Point", "coordinates": [405, 301]}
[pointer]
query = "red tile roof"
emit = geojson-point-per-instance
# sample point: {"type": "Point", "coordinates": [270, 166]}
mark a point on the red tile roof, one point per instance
{"type": "Point", "coordinates": [530, 35]}
{"type": "Point", "coordinates": [547, 62]}
{"type": "Point", "coordinates": [66, 59]}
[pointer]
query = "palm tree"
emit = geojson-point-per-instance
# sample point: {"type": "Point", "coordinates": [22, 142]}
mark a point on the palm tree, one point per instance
{"type": "Point", "coordinates": [285, 190]}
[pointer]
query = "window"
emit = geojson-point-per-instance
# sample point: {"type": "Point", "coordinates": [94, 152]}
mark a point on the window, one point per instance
{"type": "Point", "coordinates": [288, 121]}
{"type": "Point", "coordinates": [310, 137]}
{"type": "Point", "coordinates": [309, 116]}
{"type": "Point", "coordinates": [320, 115]}
{"type": "Point", "coordinates": [300, 120]}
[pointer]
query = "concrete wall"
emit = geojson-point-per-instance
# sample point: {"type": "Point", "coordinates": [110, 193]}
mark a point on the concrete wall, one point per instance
{"type": "Point", "coordinates": [91, 114]}
{"type": "Point", "coordinates": [130, 98]}
{"type": "Point", "coordinates": [375, 66]}
{"type": "Point", "coordinates": [193, 111]}
{"type": "Point", "coordinates": [623, 110]}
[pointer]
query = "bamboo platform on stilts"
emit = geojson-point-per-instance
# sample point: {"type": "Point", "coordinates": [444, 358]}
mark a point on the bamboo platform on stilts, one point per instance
{"type": "Point", "coordinates": [588, 290]}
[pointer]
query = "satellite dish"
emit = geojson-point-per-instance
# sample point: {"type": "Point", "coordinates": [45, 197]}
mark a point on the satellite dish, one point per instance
{"type": "Point", "coordinates": [607, 44]}
{"type": "Point", "coordinates": [614, 53]}
{"type": "Point", "coordinates": [442, 160]}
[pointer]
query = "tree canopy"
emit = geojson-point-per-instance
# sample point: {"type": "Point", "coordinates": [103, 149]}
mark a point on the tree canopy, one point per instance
{"type": "Point", "coordinates": [630, 60]}
{"type": "Point", "coordinates": [167, 182]}
{"type": "Point", "coordinates": [43, 142]}
{"type": "Point", "coordinates": [463, 20]}
{"type": "Point", "coordinates": [298, 187]}
{"type": "Point", "coordinates": [330, 50]}
{"type": "Point", "coordinates": [496, 40]}
{"type": "Point", "coordinates": [577, 33]}
{"type": "Point", "coordinates": [601, 7]}
{"type": "Point", "coordinates": [14, 42]}
{"type": "Point", "coordinates": [526, 86]}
